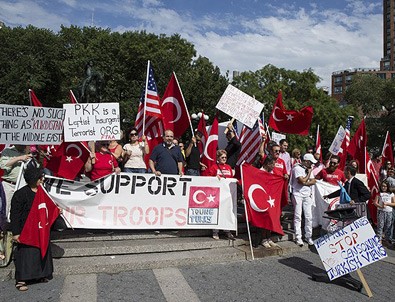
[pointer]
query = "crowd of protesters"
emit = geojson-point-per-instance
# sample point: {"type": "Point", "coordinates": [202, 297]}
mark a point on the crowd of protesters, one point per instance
{"type": "Point", "coordinates": [299, 169]}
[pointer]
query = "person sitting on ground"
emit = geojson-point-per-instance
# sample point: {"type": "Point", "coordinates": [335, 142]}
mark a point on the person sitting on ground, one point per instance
{"type": "Point", "coordinates": [134, 153]}
{"type": "Point", "coordinates": [222, 170]}
{"type": "Point", "coordinates": [102, 162]}
{"type": "Point", "coordinates": [29, 266]}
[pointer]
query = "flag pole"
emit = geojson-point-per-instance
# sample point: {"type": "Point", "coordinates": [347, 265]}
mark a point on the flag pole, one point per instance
{"type": "Point", "coordinates": [183, 99]}
{"type": "Point", "coordinates": [145, 95]}
{"type": "Point", "coordinates": [72, 93]}
{"type": "Point", "coordinates": [30, 96]}
{"type": "Point", "coordinates": [245, 211]}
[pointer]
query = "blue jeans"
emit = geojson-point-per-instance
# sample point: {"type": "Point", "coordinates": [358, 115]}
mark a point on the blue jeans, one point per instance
{"type": "Point", "coordinates": [134, 170]}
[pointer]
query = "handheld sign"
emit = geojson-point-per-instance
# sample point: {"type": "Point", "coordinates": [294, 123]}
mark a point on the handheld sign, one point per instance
{"type": "Point", "coordinates": [337, 141]}
{"type": "Point", "coordinates": [92, 122]}
{"type": "Point", "coordinates": [349, 249]}
{"type": "Point", "coordinates": [240, 106]}
{"type": "Point", "coordinates": [29, 125]}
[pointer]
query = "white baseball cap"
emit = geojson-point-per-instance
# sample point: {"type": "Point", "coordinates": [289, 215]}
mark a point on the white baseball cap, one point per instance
{"type": "Point", "coordinates": [310, 157]}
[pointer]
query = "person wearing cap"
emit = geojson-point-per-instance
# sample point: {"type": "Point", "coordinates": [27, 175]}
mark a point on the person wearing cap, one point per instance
{"type": "Point", "coordinates": [302, 181]}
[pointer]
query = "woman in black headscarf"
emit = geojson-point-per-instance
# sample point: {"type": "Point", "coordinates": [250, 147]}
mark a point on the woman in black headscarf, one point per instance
{"type": "Point", "coordinates": [29, 266]}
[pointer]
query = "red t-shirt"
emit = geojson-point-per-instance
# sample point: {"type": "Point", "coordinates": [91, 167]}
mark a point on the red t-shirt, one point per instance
{"type": "Point", "coordinates": [333, 177]}
{"type": "Point", "coordinates": [222, 170]}
{"type": "Point", "coordinates": [280, 167]}
{"type": "Point", "coordinates": [104, 165]}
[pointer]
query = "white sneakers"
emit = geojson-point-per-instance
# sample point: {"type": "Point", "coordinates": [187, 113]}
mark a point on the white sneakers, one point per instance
{"type": "Point", "coordinates": [310, 241]}
{"type": "Point", "coordinates": [266, 244]}
{"type": "Point", "coordinates": [299, 242]}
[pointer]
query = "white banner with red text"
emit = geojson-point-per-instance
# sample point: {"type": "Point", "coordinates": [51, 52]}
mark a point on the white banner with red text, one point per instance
{"type": "Point", "coordinates": [146, 201]}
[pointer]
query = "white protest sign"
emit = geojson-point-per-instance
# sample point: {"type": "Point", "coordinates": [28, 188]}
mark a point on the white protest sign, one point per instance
{"type": "Point", "coordinates": [277, 137]}
{"type": "Point", "coordinates": [146, 201]}
{"type": "Point", "coordinates": [92, 122]}
{"type": "Point", "coordinates": [240, 106]}
{"type": "Point", "coordinates": [335, 147]}
{"type": "Point", "coordinates": [29, 125]}
{"type": "Point", "coordinates": [349, 249]}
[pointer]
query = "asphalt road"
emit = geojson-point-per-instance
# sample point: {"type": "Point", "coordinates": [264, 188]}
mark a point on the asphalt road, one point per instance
{"type": "Point", "coordinates": [267, 279]}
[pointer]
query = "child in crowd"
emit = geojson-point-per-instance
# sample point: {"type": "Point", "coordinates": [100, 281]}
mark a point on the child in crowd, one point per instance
{"type": "Point", "coordinates": [384, 202]}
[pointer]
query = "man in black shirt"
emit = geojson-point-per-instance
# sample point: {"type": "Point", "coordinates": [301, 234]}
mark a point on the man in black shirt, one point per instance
{"type": "Point", "coordinates": [232, 148]}
{"type": "Point", "coordinates": [192, 155]}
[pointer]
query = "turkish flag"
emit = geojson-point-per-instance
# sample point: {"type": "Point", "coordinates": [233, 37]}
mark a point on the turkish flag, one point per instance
{"type": "Point", "coordinates": [373, 186]}
{"type": "Point", "coordinates": [33, 99]}
{"type": "Point", "coordinates": [202, 128]}
{"type": "Point", "coordinates": [204, 197]}
{"type": "Point", "coordinates": [209, 157]}
{"type": "Point", "coordinates": [357, 146]}
{"type": "Point", "coordinates": [290, 121]}
{"type": "Point", "coordinates": [264, 194]}
{"type": "Point", "coordinates": [68, 160]}
{"type": "Point", "coordinates": [38, 224]}
{"type": "Point", "coordinates": [387, 153]}
{"type": "Point", "coordinates": [73, 99]}
{"type": "Point", "coordinates": [175, 114]}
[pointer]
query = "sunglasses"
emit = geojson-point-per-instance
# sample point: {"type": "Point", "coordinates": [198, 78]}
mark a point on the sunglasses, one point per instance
{"type": "Point", "coordinates": [223, 157]}
{"type": "Point", "coordinates": [276, 151]}
{"type": "Point", "coordinates": [133, 134]}
{"type": "Point", "coordinates": [333, 163]}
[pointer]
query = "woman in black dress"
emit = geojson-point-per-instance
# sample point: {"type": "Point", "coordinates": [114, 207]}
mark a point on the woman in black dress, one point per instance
{"type": "Point", "coordinates": [29, 266]}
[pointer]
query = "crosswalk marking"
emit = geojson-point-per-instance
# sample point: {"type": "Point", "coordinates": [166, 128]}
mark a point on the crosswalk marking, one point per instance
{"type": "Point", "coordinates": [174, 286]}
{"type": "Point", "coordinates": [79, 288]}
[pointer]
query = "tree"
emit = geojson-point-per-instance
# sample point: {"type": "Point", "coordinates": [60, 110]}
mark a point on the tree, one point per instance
{"type": "Point", "coordinates": [376, 99]}
{"type": "Point", "coordinates": [299, 89]}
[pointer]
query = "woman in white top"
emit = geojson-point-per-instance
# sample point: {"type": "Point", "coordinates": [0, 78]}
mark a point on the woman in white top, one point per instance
{"type": "Point", "coordinates": [134, 153]}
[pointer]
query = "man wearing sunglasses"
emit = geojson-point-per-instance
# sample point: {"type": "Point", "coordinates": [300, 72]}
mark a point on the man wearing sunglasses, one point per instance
{"type": "Point", "coordinates": [332, 174]}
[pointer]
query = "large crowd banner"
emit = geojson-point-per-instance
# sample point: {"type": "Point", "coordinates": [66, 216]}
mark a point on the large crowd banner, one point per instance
{"type": "Point", "coordinates": [29, 125]}
{"type": "Point", "coordinates": [240, 106]}
{"type": "Point", "coordinates": [92, 122]}
{"type": "Point", "coordinates": [146, 201]}
{"type": "Point", "coordinates": [349, 249]}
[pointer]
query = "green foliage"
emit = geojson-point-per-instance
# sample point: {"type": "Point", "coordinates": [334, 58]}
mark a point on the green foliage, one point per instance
{"type": "Point", "coordinates": [299, 89]}
{"type": "Point", "coordinates": [376, 99]}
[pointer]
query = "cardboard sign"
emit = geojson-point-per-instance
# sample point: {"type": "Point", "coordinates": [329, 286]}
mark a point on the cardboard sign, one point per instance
{"type": "Point", "coordinates": [335, 147]}
{"type": "Point", "coordinates": [277, 137]}
{"type": "Point", "coordinates": [240, 105]}
{"type": "Point", "coordinates": [29, 125]}
{"type": "Point", "coordinates": [349, 249]}
{"type": "Point", "coordinates": [92, 122]}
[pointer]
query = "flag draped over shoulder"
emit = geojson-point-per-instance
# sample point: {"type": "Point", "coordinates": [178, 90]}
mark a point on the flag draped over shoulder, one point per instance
{"type": "Point", "coordinates": [358, 144]}
{"type": "Point", "coordinates": [33, 99]}
{"type": "Point", "coordinates": [373, 186]}
{"type": "Point", "coordinates": [38, 224]}
{"type": "Point", "coordinates": [264, 194]}
{"type": "Point", "coordinates": [68, 159]}
{"type": "Point", "coordinates": [250, 140]}
{"type": "Point", "coordinates": [387, 153]}
{"type": "Point", "coordinates": [174, 110]}
{"type": "Point", "coordinates": [290, 121]}
{"type": "Point", "coordinates": [209, 157]}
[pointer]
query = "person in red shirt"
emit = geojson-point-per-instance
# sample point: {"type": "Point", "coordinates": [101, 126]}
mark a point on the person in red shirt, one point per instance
{"type": "Point", "coordinates": [279, 164]}
{"type": "Point", "coordinates": [101, 162]}
{"type": "Point", "coordinates": [222, 170]}
{"type": "Point", "coordinates": [332, 174]}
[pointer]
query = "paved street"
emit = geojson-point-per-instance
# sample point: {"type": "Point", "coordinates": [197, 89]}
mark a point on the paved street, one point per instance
{"type": "Point", "coordinates": [267, 279]}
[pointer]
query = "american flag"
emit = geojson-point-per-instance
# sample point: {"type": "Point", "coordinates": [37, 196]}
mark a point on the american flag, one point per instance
{"type": "Point", "coordinates": [250, 140]}
{"type": "Point", "coordinates": [151, 122]}
{"type": "Point", "coordinates": [348, 128]}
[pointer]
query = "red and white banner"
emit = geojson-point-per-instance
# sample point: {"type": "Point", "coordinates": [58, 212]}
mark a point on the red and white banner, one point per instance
{"type": "Point", "coordinates": [146, 201]}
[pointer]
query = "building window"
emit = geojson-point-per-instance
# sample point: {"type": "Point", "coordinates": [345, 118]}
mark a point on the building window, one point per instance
{"type": "Point", "coordinates": [338, 80]}
{"type": "Point", "coordinates": [348, 78]}
{"type": "Point", "coordinates": [392, 75]}
{"type": "Point", "coordinates": [338, 90]}
{"type": "Point", "coordinates": [381, 75]}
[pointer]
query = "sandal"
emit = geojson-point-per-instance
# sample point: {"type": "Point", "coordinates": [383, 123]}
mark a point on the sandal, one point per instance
{"type": "Point", "coordinates": [43, 280]}
{"type": "Point", "coordinates": [21, 286]}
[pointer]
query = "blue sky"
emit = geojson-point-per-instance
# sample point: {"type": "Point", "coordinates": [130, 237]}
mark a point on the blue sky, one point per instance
{"type": "Point", "coordinates": [325, 35]}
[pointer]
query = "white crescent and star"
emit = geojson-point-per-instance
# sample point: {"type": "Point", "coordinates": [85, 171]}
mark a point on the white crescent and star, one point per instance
{"type": "Point", "coordinates": [43, 206]}
{"type": "Point", "coordinates": [251, 190]}
{"type": "Point", "coordinates": [210, 198]}
{"type": "Point", "coordinates": [210, 139]}
{"type": "Point", "coordinates": [69, 158]}
{"type": "Point", "coordinates": [176, 104]}
{"type": "Point", "coordinates": [274, 115]}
